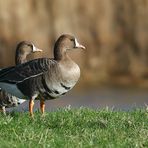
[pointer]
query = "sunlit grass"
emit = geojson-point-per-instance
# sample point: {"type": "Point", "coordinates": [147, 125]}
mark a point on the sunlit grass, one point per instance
{"type": "Point", "coordinates": [75, 128]}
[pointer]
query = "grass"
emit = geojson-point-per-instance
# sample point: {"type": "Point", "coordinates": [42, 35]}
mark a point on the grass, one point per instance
{"type": "Point", "coordinates": [76, 128]}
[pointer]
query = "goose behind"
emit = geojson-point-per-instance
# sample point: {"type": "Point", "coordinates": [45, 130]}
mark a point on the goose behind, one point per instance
{"type": "Point", "coordinates": [23, 49]}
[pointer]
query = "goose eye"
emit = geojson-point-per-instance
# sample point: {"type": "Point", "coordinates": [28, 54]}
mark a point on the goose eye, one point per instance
{"type": "Point", "coordinates": [72, 40]}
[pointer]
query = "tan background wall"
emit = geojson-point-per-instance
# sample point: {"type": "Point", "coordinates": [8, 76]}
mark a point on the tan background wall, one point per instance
{"type": "Point", "coordinates": [114, 32]}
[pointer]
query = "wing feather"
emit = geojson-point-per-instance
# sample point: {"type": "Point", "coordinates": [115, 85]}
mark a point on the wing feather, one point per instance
{"type": "Point", "coordinates": [26, 71]}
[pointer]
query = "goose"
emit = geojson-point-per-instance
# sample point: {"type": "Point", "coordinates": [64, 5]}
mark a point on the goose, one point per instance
{"type": "Point", "coordinates": [23, 49]}
{"type": "Point", "coordinates": [48, 77]}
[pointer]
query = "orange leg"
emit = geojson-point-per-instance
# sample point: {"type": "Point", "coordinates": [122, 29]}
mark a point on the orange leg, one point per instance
{"type": "Point", "coordinates": [31, 105]}
{"type": "Point", "coordinates": [42, 106]}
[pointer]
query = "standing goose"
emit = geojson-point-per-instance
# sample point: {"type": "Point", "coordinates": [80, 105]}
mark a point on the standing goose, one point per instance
{"type": "Point", "coordinates": [44, 76]}
{"type": "Point", "coordinates": [23, 49]}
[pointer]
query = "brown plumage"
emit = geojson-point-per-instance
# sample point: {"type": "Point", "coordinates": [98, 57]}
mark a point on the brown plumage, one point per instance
{"type": "Point", "coordinates": [45, 77]}
{"type": "Point", "coordinates": [23, 49]}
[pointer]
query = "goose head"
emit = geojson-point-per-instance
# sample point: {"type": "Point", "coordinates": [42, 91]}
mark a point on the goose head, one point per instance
{"type": "Point", "coordinates": [64, 43]}
{"type": "Point", "coordinates": [23, 49]}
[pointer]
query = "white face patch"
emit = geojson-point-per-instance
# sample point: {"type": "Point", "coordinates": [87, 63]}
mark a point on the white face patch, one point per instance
{"type": "Point", "coordinates": [77, 45]}
{"type": "Point", "coordinates": [36, 49]}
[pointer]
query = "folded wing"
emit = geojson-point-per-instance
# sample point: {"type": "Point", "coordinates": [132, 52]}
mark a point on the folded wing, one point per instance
{"type": "Point", "coordinates": [25, 71]}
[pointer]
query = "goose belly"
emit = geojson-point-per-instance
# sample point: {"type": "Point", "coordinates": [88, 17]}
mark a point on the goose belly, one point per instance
{"type": "Point", "coordinates": [57, 89]}
{"type": "Point", "coordinates": [62, 80]}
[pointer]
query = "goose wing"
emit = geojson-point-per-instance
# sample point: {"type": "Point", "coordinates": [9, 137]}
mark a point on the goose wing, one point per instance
{"type": "Point", "coordinates": [26, 71]}
{"type": "Point", "coordinates": [3, 71]}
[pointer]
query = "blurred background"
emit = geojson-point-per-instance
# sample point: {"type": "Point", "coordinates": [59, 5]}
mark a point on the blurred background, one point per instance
{"type": "Point", "coordinates": [114, 68]}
